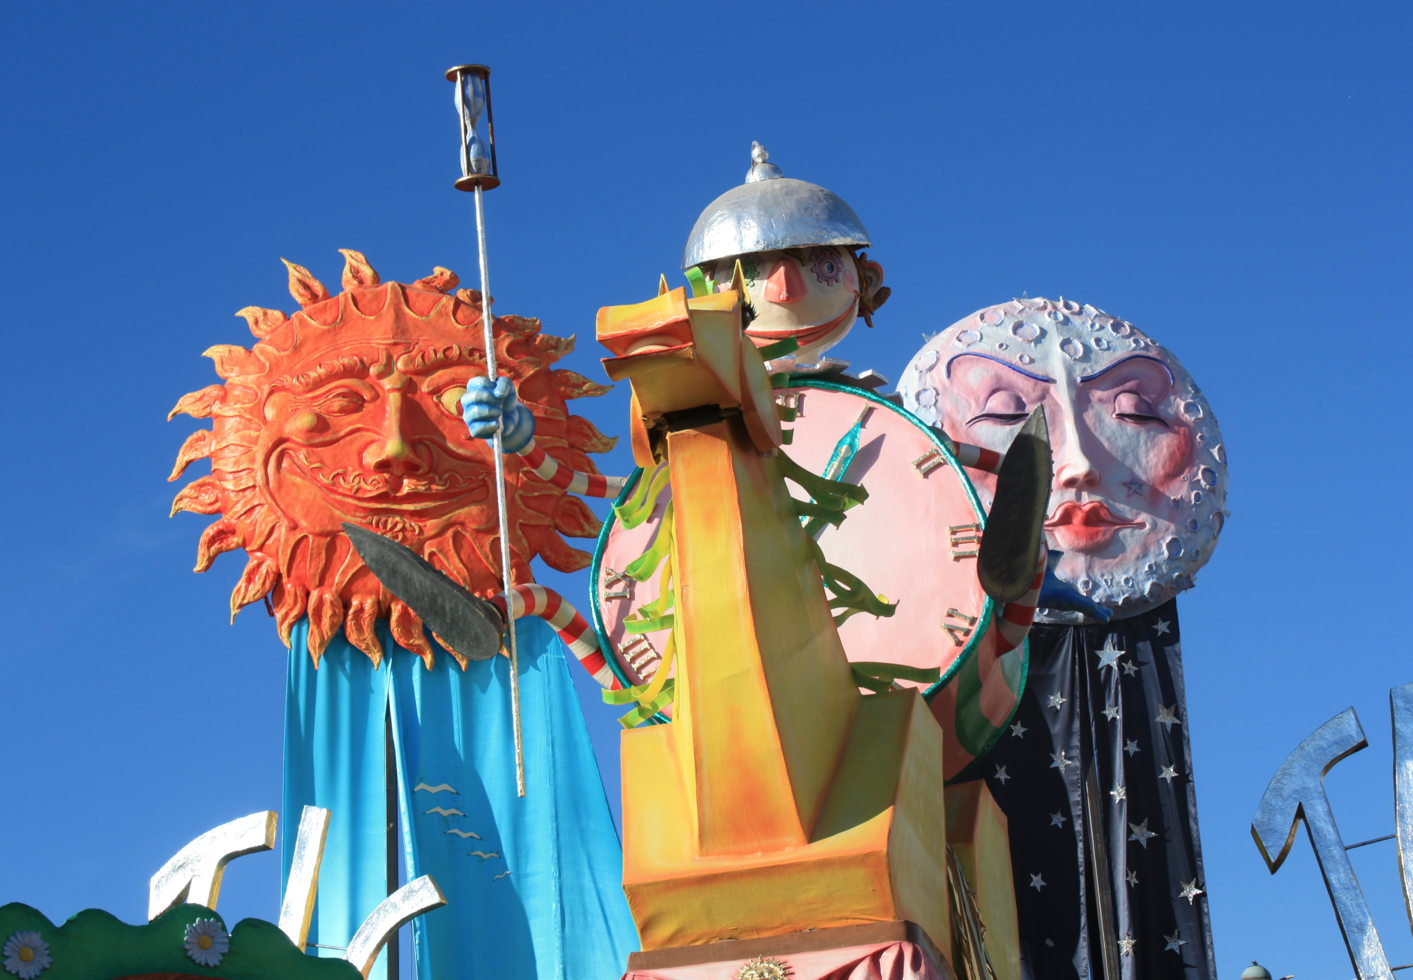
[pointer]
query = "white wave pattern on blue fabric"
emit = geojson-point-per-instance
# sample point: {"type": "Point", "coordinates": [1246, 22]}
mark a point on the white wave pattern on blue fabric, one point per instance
{"type": "Point", "coordinates": [560, 911]}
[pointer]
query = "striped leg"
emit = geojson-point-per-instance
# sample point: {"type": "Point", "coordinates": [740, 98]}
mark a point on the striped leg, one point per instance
{"type": "Point", "coordinates": [577, 634]}
{"type": "Point", "coordinates": [976, 458]}
{"type": "Point", "coordinates": [549, 469]}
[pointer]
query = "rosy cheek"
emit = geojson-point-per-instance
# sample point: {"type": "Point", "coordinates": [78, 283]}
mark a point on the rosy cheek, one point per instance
{"type": "Point", "coordinates": [1171, 456]}
{"type": "Point", "coordinates": [850, 281]}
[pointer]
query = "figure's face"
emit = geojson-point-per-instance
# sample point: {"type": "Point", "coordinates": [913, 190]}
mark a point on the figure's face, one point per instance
{"type": "Point", "coordinates": [1139, 470]}
{"type": "Point", "coordinates": [373, 433]}
{"type": "Point", "coordinates": [808, 294]}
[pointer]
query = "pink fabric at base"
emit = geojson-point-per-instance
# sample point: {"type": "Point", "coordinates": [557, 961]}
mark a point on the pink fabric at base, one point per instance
{"type": "Point", "coordinates": [878, 961]}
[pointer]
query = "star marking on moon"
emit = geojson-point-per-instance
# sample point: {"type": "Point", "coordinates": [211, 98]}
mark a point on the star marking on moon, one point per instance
{"type": "Point", "coordinates": [1167, 718]}
{"type": "Point", "coordinates": [1131, 747]}
{"type": "Point", "coordinates": [1057, 819]}
{"type": "Point", "coordinates": [1018, 730]}
{"type": "Point", "coordinates": [1191, 891]}
{"type": "Point", "coordinates": [1141, 833]}
{"type": "Point", "coordinates": [1119, 793]}
{"type": "Point", "coordinates": [1055, 700]}
{"type": "Point", "coordinates": [1168, 773]}
{"type": "Point", "coordinates": [1126, 945]}
{"type": "Point", "coordinates": [1058, 761]}
{"type": "Point", "coordinates": [1161, 626]}
{"type": "Point", "coordinates": [1174, 941]}
{"type": "Point", "coordinates": [1037, 882]}
{"type": "Point", "coordinates": [1132, 877]}
{"type": "Point", "coordinates": [1129, 670]}
{"type": "Point", "coordinates": [1001, 776]}
{"type": "Point", "coordinates": [1108, 653]}
{"type": "Point", "coordinates": [1112, 712]}
{"type": "Point", "coordinates": [1133, 488]}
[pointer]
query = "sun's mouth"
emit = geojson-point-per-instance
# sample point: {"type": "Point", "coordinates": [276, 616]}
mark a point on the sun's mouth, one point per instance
{"type": "Point", "coordinates": [1085, 527]}
{"type": "Point", "coordinates": [390, 488]}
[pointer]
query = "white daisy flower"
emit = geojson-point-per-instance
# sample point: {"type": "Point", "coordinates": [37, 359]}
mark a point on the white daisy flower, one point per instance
{"type": "Point", "coordinates": [207, 942]}
{"type": "Point", "coordinates": [26, 955]}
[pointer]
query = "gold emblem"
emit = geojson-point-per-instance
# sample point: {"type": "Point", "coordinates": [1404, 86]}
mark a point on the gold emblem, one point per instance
{"type": "Point", "coordinates": [764, 968]}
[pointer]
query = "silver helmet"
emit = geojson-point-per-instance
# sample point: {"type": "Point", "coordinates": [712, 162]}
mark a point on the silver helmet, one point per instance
{"type": "Point", "coordinates": [771, 211]}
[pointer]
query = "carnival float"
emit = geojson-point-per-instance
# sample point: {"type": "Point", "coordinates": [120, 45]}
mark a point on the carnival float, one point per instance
{"type": "Point", "coordinates": [899, 672]}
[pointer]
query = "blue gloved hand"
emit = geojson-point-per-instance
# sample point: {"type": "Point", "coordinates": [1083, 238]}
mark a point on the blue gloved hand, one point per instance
{"type": "Point", "coordinates": [483, 406]}
{"type": "Point", "coordinates": [1055, 594]}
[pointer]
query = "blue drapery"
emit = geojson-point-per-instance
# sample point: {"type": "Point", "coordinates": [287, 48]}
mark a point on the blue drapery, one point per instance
{"type": "Point", "coordinates": [542, 900]}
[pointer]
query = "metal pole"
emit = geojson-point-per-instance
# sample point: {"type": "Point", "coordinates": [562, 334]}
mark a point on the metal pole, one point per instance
{"type": "Point", "coordinates": [487, 326]}
{"type": "Point", "coordinates": [393, 953]}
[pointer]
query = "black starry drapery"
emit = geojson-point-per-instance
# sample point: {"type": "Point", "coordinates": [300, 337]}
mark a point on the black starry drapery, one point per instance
{"type": "Point", "coordinates": [1103, 718]}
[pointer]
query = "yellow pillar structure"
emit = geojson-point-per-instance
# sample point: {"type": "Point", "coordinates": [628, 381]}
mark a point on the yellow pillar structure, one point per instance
{"type": "Point", "coordinates": [779, 799]}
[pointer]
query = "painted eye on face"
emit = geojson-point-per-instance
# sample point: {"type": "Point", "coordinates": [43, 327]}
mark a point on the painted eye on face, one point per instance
{"type": "Point", "coordinates": [343, 401]}
{"type": "Point", "coordinates": [1002, 408]}
{"type": "Point", "coordinates": [1133, 407]}
{"type": "Point", "coordinates": [825, 264]}
{"type": "Point", "coordinates": [450, 400]}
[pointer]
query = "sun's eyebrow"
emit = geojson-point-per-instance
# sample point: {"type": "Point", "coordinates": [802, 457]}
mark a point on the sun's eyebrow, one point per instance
{"type": "Point", "coordinates": [307, 381]}
{"type": "Point", "coordinates": [1124, 360]}
{"type": "Point", "coordinates": [1004, 363]}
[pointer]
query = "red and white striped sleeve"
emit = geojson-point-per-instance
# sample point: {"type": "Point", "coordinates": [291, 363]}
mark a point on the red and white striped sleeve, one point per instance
{"type": "Point", "coordinates": [573, 629]}
{"type": "Point", "coordinates": [976, 458]}
{"type": "Point", "coordinates": [549, 469]}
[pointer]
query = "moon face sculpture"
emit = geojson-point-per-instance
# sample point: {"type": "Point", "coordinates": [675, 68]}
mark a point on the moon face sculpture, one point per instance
{"type": "Point", "coordinates": [1140, 482]}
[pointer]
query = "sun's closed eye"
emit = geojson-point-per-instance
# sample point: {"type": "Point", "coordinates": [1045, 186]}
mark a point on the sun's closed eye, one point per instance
{"type": "Point", "coordinates": [341, 401]}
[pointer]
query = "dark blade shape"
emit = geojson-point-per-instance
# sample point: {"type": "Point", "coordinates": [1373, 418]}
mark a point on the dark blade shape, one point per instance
{"type": "Point", "coordinates": [1010, 546]}
{"type": "Point", "coordinates": [471, 625]}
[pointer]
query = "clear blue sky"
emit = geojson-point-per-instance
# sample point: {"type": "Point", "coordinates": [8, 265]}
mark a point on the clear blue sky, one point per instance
{"type": "Point", "coordinates": [1233, 178]}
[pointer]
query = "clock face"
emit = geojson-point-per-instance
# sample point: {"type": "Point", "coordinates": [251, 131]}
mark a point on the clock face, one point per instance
{"type": "Point", "coordinates": [914, 540]}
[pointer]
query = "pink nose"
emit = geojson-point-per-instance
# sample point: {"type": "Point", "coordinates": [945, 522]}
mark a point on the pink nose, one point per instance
{"type": "Point", "coordinates": [785, 284]}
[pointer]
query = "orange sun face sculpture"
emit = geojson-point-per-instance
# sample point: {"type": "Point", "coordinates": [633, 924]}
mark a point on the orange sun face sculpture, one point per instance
{"type": "Point", "coordinates": [348, 411]}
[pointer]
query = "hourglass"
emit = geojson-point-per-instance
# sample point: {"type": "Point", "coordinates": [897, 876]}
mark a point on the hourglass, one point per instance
{"type": "Point", "coordinates": [478, 151]}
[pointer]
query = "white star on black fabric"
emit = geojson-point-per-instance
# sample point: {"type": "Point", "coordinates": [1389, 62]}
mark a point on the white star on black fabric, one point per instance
{"type": "Point", "coordinates": [1018, 730]}
{"type": "Point", "coordinates": [1129, 670]}
{"type": "Point", "coordinates": [1141, 833]}
{"type": "Point", "coordinates": [1119, 793]}
{"type": "Point", "coordinates": [1057, 819]}
{"type": "Point", "coordinates": [1131, 747]}
{"type": "Point", "coordinates": [1126, 945]}
{"type": "Point", "coordinates": [1191, 891]}
{"type": "Point", "coordinates": [1112, 712]}
{"type": "Point", "coordinates": [1167, 718]}
{"type": "Point", "coordinates": [1058, 761]}
{"type": "Point", "coordinates": [1168, 773]}
{"type": "Point", "coordinates": [1132, 877]}
{"type": "Point", "coordinates": [1161, 626]}
{"type": "Point", "coordinates": [1056, 699]}
{"type": "Point", "coordinates": [1001, 776]}
{"type": "Point", "coordinates": [1037, 882]}
{"type": "Point", "coordinates": [1108, 654]}
{"type": "Point", "coordinates": [1174, 941]}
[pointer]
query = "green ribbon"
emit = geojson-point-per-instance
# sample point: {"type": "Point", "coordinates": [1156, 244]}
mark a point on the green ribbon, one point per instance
{"type": "Point", "coordinates": [779, 349]}
{"type": "Point", "coordinates": [643, 500]}
{"type": "Point", "coordinates": [698, 280]}
{"type": "Point", "coordinates": [879, 677]}
{"type": "Point", "coordinates": [643, 711]}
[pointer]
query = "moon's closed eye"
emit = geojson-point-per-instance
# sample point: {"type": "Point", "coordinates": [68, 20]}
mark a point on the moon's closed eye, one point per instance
{"type": "Point", "coordinates": [1002, 408]}
{"type": "Point", "coordinates": [1133, 407]}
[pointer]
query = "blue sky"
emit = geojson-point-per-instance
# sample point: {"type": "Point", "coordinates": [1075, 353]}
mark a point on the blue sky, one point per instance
{"type": "Point", "coordinates": [1233, 178]}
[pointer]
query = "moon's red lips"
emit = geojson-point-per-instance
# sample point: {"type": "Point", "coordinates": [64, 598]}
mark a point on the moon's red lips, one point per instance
{"type": "Point", "coordinates": [1085, 527]}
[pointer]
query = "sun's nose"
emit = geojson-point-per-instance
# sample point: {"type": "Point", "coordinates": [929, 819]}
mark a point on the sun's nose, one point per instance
{"type": "Point", "coordinates": [392, 452]}
{"type": "Point", "coordinates": [785, 284]}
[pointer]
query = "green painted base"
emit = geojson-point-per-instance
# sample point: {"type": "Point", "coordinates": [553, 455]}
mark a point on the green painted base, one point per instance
{"type": "Point", "coordinates": [94, 945]}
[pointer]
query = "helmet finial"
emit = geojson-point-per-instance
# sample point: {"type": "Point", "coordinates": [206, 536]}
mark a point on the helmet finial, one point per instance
{"type": "Point", "coordinates": [761, 169]}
